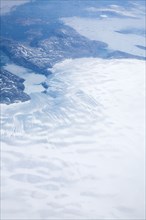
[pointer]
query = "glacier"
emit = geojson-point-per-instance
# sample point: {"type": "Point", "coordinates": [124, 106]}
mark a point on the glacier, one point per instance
{"type": "Point", "coordinates": [77, 150]}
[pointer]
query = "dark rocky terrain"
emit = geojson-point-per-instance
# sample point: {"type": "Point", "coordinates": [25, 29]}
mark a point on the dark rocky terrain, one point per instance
{"type": "Point", "coordinates": [62, 43]}
{"type": "Point", "coordinates": [11, 88]}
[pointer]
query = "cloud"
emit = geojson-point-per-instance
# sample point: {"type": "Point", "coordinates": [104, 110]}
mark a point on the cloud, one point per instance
{"type": "Point", "coordinates": [7, 6]}
{"type": "Point", "coordinates": [133, 12]}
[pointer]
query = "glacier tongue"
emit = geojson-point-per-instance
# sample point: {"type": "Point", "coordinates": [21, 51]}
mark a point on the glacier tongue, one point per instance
{"type": "Point", "coordinates": [78, 150]}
